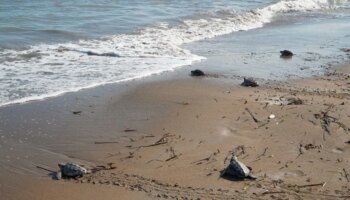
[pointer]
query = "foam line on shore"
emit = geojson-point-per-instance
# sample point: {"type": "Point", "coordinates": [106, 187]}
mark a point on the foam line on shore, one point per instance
{"type": "Point", "coordinates": [47, 70]}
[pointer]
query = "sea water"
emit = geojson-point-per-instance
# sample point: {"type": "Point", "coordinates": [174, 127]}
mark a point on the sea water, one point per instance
{"type": "Point", "coordinates": [52, 47]}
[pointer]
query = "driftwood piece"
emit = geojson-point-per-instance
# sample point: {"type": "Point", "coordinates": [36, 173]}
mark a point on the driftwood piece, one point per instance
{"type": "Point", "coordinates": [105, 142]}
{"type": "Point", "coordinates": [312, 122]}
{"type": "Point", "coordinates": [204, 159]}
{"type": "Point", "coordinates": [147, 136]}
{"type": "Point", "coordinates": [162, 140]}
{"type": "Point", "coordinates": [265, 106]}
{"type": "Point", "coordinates": [173, 154]}
{"type": "Point", "coordinates": [152, 145]}
{"type": "Point", "coordinates": [129, 130]}
{"type": "Point", "coordinates": [272, 192]}
{"type": "Point", "coordinates": [251, 114]}
{"type": "Point", "coordinates": [171, 158]}
{"type": "Point", "coordinates": [346, 175]}
{"type": "Point", "coordinates": [343, 126]}
{"type": "Point", "coordinates": [208, 159]}
{"type": "Point", "coordinates": [164, 137]}
{"type": "Point", "coordinates": [326, 121]}
{"type": "Point", "coordinates": [312, 185]}
{"type": "Point", "coordinates": [264, 153]}
{"type": "Point", "coordinates": [301, 147]}
{"type": "Point", "coordinates": [261, 155]}
{"type": "Point", "coordinates": [153, 160]}
{"type": "Point", "coordinates": [264, 124]}
{"type": "Point", "coordinates": [77, 112]}
{"type": "Point", "coordinates": [183, 103]}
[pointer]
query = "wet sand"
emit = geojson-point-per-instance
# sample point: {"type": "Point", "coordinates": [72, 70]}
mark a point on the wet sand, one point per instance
{"type": "Point", "coordinates": [169, 139]}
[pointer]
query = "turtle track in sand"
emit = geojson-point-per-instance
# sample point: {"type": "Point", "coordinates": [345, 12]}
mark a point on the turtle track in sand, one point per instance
{"type": "Point", "coordinates": [158, 189]}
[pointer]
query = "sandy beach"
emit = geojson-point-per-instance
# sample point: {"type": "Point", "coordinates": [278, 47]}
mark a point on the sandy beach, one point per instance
{"type": "Point", "coordinates": [108, 87]}
{"type": "Point", "coordinates": [171, 138]}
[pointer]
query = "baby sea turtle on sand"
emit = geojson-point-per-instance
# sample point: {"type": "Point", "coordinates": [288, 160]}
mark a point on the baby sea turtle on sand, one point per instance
{"type": "Point", "coordinates": [71, 170]}
{"type": "Point", "coordinates": [197, 72]}
{"type": "Point", "coordinates": [237, 170]}
{"type": "Point", "coordinates": [249, 82]}
{"type": "Point", "coordinates": [286, 54]}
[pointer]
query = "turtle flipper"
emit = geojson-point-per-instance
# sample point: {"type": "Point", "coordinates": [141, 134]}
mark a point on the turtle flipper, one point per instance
{"type": "Point", "coordinates": [223, 172]}
{"type": "Point", "coordinates": [251, 177]}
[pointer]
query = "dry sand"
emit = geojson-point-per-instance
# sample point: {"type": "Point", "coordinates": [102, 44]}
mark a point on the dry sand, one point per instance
{"type": "Point", "coordinates": [170, 140]}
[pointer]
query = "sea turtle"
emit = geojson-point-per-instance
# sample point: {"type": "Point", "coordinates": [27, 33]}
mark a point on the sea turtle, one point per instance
{"type": "Point", "coordinates": [197, 72]}
{"type": "Point", "coordinates": [237, 170]}
{"type": "Point", "coordinates": [286, 54]}
{"type": "Point", "coordinates": [249, 82]}
{"type": "Point", "coordinates": [71, 170]}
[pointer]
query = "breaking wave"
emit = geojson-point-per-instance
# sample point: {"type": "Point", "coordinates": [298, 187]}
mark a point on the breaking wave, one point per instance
{"type": "Point", "coordinates": [46, 70]}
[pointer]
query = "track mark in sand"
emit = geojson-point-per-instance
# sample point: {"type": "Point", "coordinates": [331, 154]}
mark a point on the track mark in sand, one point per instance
{"type": "Point", "coordinates": [160, 190]}
{"type": "Point", "coordinates": [157, 189]}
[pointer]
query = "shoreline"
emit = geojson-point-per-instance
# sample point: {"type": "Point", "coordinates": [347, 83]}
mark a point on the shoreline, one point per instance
{"type": "Point", "coordinates": [144, 78]}
{"type": "Point", "coordinates": [309, 62]}
{"type": "Point", "coordinates": [202, 120]}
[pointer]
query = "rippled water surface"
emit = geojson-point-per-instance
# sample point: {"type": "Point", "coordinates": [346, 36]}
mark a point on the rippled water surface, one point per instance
{"type": "Point", "coordinates": [51, 47]}
{"type": "Point", "coordinates": [30, 22]}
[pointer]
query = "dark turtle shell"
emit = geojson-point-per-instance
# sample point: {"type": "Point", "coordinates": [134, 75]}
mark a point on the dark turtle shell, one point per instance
{"type": "Point", "coordinates": [71, 170]}
{"type": "Point", "coordinates": [197, 72]}
{"type": "Point", "coordinates": [237, 170]}
{"type": "Point", "coordinates": [286, 53]}
{"type": "Point", "coordinates": [249, 82]}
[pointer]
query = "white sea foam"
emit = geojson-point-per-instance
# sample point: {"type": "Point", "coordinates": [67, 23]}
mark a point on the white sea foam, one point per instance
{"type": "Point", "coordinates": [49, 70]}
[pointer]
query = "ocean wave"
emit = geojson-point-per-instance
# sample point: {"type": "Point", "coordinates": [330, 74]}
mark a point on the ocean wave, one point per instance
{"type": "Point", "coordinates": [88, 63]}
